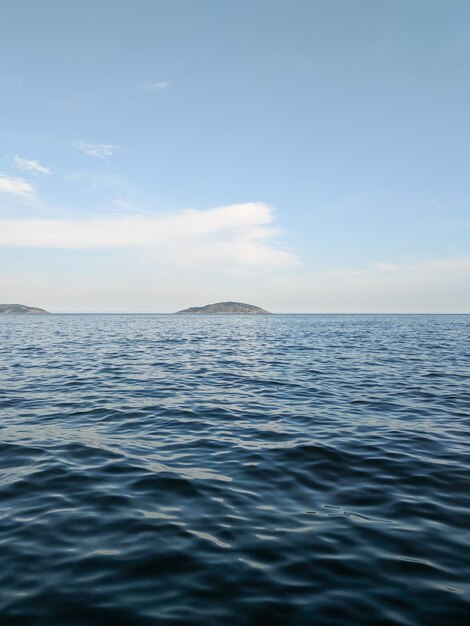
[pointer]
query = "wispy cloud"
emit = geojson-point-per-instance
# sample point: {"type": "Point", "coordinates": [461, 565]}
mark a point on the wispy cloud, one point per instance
{"type": "Point", "coordinates": [16, 186]}
{"type": "Point", "coordinates": [238, 235]}
{"type": "Point", "coordinates": [17, 80]}
{"type": "Point", "coordinates": [33, 166]}
{"type": "Point", "coordinates": [386, 267]}
{"type": "Point", "coordinates": [427, 285]}
{"type": "Point", "coordinates": [147, 85]}
{"type": "Point", "coordinates": [97, 150]}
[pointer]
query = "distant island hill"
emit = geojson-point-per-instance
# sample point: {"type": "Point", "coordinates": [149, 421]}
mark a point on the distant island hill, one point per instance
{"type": "Point", "coordinates": [224, 308]}
{"type": "Point", "coordinates": [218, 308]}
{"type": "Point", "coordinates": [13, 309]}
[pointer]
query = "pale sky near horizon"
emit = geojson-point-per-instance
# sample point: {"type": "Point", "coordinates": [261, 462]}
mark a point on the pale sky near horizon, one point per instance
{"type": "Point", "coordinates": [300, 155]}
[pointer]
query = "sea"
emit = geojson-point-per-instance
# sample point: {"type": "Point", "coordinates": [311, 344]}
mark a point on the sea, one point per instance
{"type": "Point", "coordinates": [234, 470]}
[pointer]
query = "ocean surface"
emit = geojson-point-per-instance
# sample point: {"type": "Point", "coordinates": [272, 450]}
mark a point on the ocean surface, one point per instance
{"type": "Point", "coordinates": [279, 470]}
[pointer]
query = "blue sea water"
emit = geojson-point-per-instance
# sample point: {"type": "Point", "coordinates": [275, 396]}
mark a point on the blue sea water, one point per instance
{"type": "Point", "coordinates": [278, 470]}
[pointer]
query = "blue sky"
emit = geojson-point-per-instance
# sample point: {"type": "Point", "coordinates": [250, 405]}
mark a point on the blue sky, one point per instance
{"type": "Point", "coordinates": [303, 155]}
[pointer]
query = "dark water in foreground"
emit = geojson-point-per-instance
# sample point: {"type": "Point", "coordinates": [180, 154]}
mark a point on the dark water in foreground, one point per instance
{"type": "Point", "coordinates": [207, 470]}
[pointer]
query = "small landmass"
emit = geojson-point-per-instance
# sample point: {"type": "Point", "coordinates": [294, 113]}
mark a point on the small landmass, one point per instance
{"type": "Point", "coordinates": [12, 309]}
{"type": "Point", "coordinates": [224, 308]}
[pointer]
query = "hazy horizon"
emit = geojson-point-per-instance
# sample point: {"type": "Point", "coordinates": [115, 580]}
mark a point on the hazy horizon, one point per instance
{"type": "Point", "coordinates": [279, 312]}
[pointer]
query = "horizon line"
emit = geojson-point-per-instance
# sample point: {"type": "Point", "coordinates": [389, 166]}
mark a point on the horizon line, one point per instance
{"type": "Point", "coordinates": [255, 315]}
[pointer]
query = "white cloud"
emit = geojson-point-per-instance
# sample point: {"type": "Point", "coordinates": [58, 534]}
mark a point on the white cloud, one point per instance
{"type": "Point", "coordinates": [153, 86]}
{"type": "Point", "coordinates": [238, 235]}
{"type": "Point", "coordinates": [97, 150]}
{"type": "Point", "coordinates": [17, 80]}
{"type": "Point", "coordinates": [16, 186]}
{"type": "Point", "coordinates": [33, 166]}
{"type": "Point", "coordinates": [386, 267]}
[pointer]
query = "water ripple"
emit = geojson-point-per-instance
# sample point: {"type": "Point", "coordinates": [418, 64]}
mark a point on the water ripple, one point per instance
{"type": "Point", "coordinates": [166, 470]}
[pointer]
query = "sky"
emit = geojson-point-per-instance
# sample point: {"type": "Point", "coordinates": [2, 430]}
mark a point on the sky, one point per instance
{"type": "Point", "coordinates": [299, 155]}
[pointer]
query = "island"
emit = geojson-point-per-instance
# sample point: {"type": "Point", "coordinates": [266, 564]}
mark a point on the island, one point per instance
{"type": "Point", "coordinates": [12, 309]}
{"type": "Point", "coordinates": [224, 308]}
